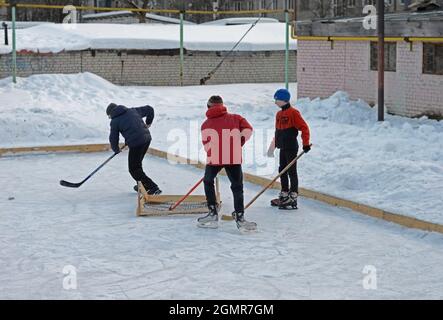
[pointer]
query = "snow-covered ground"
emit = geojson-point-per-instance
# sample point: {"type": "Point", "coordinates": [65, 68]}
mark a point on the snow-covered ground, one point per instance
{"type": "Point", "coordinates": [318, 252]}
{"type": "Point", "coordinates": [396, 165]}
{"type": "Point", "coordinates": [59, 37]}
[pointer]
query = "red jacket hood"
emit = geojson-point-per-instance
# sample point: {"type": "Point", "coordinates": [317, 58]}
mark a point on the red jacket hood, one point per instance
{"type": "Point", "coordinates": [216, 111]}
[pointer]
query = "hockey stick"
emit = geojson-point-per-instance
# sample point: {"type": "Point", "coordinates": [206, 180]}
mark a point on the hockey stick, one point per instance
{"type": "Point", "coordinates": [172, 207]}
{"type": "Point", "coordinates": [228, 217]}
{"type": "Point", "coordinates": [77, 185]}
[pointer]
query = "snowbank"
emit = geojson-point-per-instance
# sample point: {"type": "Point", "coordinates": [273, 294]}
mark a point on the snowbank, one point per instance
{"type": "Point", "coordinates": [395, 165]}
{"type": "Point", "coordinates": [59, 37]}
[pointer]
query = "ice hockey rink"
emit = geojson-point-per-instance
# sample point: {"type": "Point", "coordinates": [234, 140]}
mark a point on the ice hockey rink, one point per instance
{"type": "Point", "coordinates": [50, 234]}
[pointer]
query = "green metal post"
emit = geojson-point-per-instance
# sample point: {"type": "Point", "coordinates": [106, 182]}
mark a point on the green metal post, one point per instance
{"type": "Point", "coordinates": [182, 59]}
{"type": "Point", "coordinates": [287, 50]}
{"type": "Point", "coordinates": [14, 48]}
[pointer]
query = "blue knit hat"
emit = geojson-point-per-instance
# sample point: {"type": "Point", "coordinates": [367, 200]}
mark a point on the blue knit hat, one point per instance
{"type": "Point", "coordinates": [282, 94]}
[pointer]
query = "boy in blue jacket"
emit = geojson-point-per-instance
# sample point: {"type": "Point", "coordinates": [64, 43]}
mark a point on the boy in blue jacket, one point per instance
{"type": "Point", "coordinates": [129, 122]}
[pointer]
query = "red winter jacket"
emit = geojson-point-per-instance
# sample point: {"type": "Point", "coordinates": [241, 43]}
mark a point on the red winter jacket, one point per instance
{"type": "Point", "coordinates": [224, 135]}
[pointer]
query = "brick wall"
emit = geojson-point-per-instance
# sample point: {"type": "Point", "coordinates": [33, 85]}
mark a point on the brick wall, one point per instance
{"type": "Point", "coordinates": [157, 67]}
{"type": "Point", "coordinates": [323, 68]}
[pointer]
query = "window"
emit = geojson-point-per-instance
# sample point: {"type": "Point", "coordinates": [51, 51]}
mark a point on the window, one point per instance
{"type": "Point", "coordinates": [433, 58]}
{"type": "Point", "coordinates": [334, 7]}
{"type": "Point", "coordinates": [237, 6]}
{"type": "Point", "coordinates": [337, 8]}
{"type": "Point", "coordinates": [274, 4]}
{"type": "Point", "coordinates": [103, 3]}
{"type": "Point", "coordinates": [390, 56]}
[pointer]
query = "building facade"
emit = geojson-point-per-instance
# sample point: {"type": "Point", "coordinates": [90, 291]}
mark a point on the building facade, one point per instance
{"type": "Point", "coordinates": [56, 15]}
{"type": "Point", "coordinates": [341, 55]}
{"type": "Point", "coordinates": [320, 9]}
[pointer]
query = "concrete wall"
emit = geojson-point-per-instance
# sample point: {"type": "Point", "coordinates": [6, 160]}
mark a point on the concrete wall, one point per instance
{"type": "Point", "coordinates": [157, 67]}
{"type": "Point", "coordinates": [323, 69]}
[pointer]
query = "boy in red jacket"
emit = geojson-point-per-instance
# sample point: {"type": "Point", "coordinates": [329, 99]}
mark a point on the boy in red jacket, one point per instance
{"type": "Point", "coordinates": [223, 136]}
{"type": "Point", "coordinates": [288, 123]}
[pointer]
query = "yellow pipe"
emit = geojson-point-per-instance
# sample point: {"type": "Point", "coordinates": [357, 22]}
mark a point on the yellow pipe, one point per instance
{"type": "Point", "coordinates": [389, 39]}
{"type": "Point", "coordinates": [44, 6]}
{"type": "Point", "coordinates": [91, 8]}
{"type": "Point", "coordinates": [364, 38]}
{"type": "Point", "coordinates": [315, 38]}
{"type": "Point", "coordinates": [424, 39]}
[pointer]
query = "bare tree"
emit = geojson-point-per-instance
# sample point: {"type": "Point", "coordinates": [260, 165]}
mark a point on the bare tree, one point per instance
{"type": "Point", "coordinates": [199, 5]}
{"type": "Point", "coordinates": [50, 15]}
{"type": "Point", "coordinates": [141, 4]}
{"type": "Point", "coordinates": [321, 8]}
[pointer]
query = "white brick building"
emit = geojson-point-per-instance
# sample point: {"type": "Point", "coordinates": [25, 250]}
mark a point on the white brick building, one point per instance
{"type": "Point", "coordinates": [156, 67]}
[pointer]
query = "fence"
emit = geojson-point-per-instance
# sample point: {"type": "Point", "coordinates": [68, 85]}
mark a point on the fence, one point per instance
{"type": "Point", "coordinates": [181, 13]}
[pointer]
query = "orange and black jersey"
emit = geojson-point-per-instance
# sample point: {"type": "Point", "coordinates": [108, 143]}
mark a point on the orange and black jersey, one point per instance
{"type": "Point", "coordinates": [287, 124]}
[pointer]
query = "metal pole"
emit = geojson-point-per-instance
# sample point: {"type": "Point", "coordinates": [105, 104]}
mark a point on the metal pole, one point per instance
{"type": "Point", "coordinates": [287, 50]}
{"type": "Point", "coordinates": [14, 47]}
{"type": "Point", "coordinates": [181, 49]}
{"type": "Point", "coordinates": [381, 58]}
{"type": "Point", "coordinates": [5, 26]}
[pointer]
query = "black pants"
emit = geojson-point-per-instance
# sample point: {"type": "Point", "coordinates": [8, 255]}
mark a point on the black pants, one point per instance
{"type": "Point", "coordinates": [235, 175]}
{"type": "Point", "coordinates": [135, 159]}
{"type": "Point", "coordinates": [286, 156]}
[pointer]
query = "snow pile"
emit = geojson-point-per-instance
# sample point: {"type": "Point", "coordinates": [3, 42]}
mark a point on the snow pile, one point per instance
{"type": "Point", "coordinates": [58, 37]}
{"type": "Point", "coordinates": [396, 165]}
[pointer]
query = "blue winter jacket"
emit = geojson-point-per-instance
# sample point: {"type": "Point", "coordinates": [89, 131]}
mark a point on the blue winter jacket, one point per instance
{"type": "Point", "coordinates": [129, 122]}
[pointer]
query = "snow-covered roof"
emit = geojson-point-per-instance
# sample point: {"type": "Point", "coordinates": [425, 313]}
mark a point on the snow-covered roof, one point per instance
{"type": "Point", "coordinates": [157, 17]}
{"type": "Point", "coordinates": [242, 20]}
{"type": "Point", "coordinates": [69, 37]}
{"type": "Point", "coordinates": [24, 24]}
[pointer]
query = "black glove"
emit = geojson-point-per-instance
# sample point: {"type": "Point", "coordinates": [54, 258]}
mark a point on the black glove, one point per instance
{"type": "Point", "coordinates": [306, 149]}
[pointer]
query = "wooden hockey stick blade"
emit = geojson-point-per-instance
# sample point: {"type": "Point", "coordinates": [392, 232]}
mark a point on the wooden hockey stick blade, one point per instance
{"type": "Point", "coordinates": [70, 184]}
{"type": "Point", "coordinates": [77, 185]}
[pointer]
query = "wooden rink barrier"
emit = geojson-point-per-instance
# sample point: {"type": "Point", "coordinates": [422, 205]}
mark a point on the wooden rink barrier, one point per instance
{"type": "Point", "coordinates": [396, 218]}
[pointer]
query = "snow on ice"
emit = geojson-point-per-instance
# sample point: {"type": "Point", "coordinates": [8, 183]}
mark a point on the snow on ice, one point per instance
{"type": "Point", "coordinates": [318, 252]}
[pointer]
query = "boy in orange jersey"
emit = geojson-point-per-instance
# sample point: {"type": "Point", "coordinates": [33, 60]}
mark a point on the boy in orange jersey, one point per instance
{"type": "Point", "coordinates": [288, 123]}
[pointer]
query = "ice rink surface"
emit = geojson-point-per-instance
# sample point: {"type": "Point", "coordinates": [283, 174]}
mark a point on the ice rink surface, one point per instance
{"type": "Point", "coordinates": [316, 252]}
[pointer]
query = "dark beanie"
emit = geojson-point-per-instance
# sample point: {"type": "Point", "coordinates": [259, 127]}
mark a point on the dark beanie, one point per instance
{"type": "Point", "coordinates": [215, 100]}
{"type": "Point", "coordinates": [110, 108]}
